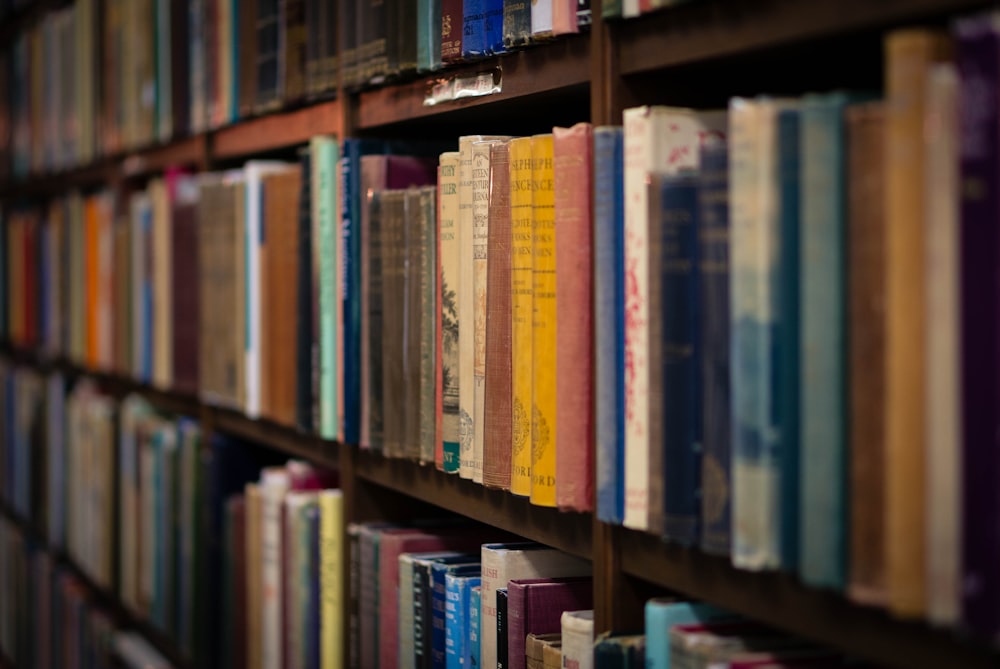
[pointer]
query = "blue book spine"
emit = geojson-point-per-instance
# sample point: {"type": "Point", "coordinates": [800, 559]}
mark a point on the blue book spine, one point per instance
{"type": "Point", "coordinates": [454, 619]}
{"type": "Point", "coordinates": [475, 609]}
{"type": "Point", "coordinates": [678, 254]}
{"type": "Point", "coordinates": [823, 476]}
{"type": "Point", "coordinates": [785, 344]}
{"type": "Point", "coordinates": [713, 284]}
{"type": "Point", "coordinates": [662, 615]}
{"type": "Point", "coordinates": [147, 306]}
{"type": "Point", "coordinates": [473, 38]}
{"type": "Point", "coordinates": [493, 26]}
{"type": "Point", "coordinates": [350, 174]}
{"type": "Point", "coordinates": [424, 29]}
{"type": "Point", "coordinates": [439, 572]}
{"type": "Point", "coordinates": [609, 319]}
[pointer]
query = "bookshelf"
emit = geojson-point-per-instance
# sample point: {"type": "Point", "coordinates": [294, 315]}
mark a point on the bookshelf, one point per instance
{"type": "Point", "coordinates": [611, 67]}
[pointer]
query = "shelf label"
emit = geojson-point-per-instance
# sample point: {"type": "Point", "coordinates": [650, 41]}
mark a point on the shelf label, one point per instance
{"type": "Point", "coordinates": [448, 89]}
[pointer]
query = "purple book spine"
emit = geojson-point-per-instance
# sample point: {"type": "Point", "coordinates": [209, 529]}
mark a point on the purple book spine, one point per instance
{"type": "Point", "coordinates": [406, 171]}
{"type": "Point", "coordinates": [979, 68]}
{"type": "Point", "coordinates": [535, 606]}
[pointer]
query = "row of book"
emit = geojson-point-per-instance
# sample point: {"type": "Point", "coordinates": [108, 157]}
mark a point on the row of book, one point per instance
{"type": "Point", "coordinates": [49, 617]}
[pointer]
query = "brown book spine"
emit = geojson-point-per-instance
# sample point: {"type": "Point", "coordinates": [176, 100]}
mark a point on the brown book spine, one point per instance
{"type": "Point", "coordinates": [248, 56]}
{"type": "Point", "coordinates": [294, 13]}
{"type": "Point", "coordinates": [573, 160]}
{"type": "Point", "coordinates": [282, 239]}
{"type": "Point", "coordinates": [238, 334]}
{"type": "Point", "coordinates": [497, 438]}
{"type": "Point", "coordinates": [394, 258]}
{"type": "Point", "coordinates": [866, 318]}
{"type": "Point", "coordinates": [413, 227]}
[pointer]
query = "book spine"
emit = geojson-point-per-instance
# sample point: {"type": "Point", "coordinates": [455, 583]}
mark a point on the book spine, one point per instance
{"type": "Point", "coordinates": [493, 26]}
{"type": "Point", "coordinates": [564, 17]}
{"type": "Point", "coordinates": [420, 616]}
{"type": "Point", "coordinates": [866, 352]}
{"type": "Point", "coordinates": [271, 578]}
{"type": "Point", "coordinates": [516, 23]}
{"type": "Point", "coordinates": [675, 340]}
{"type": "Point", "coordinates": [393, 336]}
{"type": "Point", "coordinates": [609, 364]}
{"type": "Point", "coordinates": [472, 656]}
{"type": "Point", "coordinates": [473, 36]}
{"type": "Point", "coordinates": [452, 26]}
{"type": "Point", "coordinates": [544, 324]}
{"type": "Point", "coordinates": [541, 19]}
{"type": "Point", "coordinates": [413, 316]}
{"type": "Point", "coordinates": [497, 424]}
{"type": "Point", "coordinates": [465, 291]}
{"type": "Point", "coordinates": [425, 27]}
{"type": "Point", "coordinates": [822, 522]}
{"type": "Point", "coordinates": [375, 308]}
{"type": "Point", "coordinates": [573, 170]}
{"type": "Point", "coordinates": [522, 292]}
{"type": "Point", "coordinates": [331, 531]}
{"type": "Point", "coordinates": [438, 623]}
{"type": "Point", "coordinates": [454, 617]}
{"type": "Point", "coordinates": [304, 313]}
{"type": "Point", "coordinates": [451, 324]}
{"type": "Point", "coordinates": [502, 631]}
{"type": "Point", "coordinates": [427, 287]}
{"type": "Point", "coordinates": [943, 418]}
{"type": "Point", "coordinates": [979, 73]}
{"type": "Point", "coordinates": [908, 56]}
{"type": "Point", "coordinates": [325, 203]}
{"type": "Point", "coordinates": [480, 271]}
{"type": "Point", "coordinates": [350, 231]}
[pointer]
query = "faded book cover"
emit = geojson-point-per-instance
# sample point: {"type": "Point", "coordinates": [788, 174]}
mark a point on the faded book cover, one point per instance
{"type": "Point", "coordinates": [450, 324]}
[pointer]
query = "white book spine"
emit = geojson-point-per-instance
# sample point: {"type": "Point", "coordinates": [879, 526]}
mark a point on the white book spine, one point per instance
{"type": "Point", "coordinates": [465, 292]}
{"type": "Point", "coordinates": [541, 17]}
{"type": "Point", "coordinates": [577, 639]}
{"type": "Point", "coordinates": [274, 486]}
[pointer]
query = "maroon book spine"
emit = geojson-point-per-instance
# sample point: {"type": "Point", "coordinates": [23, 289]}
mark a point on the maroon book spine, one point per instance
{"type": "Point", "coordinates": [452, 22]}
{"type": "Point", "coordinates": [184, 294]}
{"type": "Point", "coordinates": [536, 605]}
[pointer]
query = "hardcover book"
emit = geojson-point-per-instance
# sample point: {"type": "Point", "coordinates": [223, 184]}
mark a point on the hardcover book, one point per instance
{"type": "Point", "coordinates": [450, 324]}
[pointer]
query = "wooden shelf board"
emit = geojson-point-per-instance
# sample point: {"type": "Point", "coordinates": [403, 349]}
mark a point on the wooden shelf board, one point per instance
{"type": "Point", "coordinates": [277, 131]}
{"type": "Point", "coordinates": [279, 437]}
{"type": "Point", "coordinates": [105, 598]}
{"type": "Point", "coordinates": [569, 532]}
{"type": "Point", "coordinates": [560, 64]}
{"type": "Point", "coordinates": [184, 152]}
{"type": "Point", "coordinates": [716, 28]}
{"type": "Point", "coordinates": [780, 600]}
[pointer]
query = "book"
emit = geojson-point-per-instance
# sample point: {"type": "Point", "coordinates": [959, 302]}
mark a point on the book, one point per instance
{"type": "Point", "coordinates": [270, 84]}
{"type": "Point", "coordinates": [572, 170]}
{"type": "Point", "coordinates": [541, 19]}
{"type": "Point", "coordinates": [503, 563]}
{"type": "Point", "coordinates": [388, 412]}
{"type": "Point", "coordinates": [866, 353]}
{"type": "Point", "coordinates": [424, 318]}
{"type": "Point", "coordinates": [502, 638]}
{"type": "Point", "coordinates": [941, 179]}
{"type": "Point", "coordinates": [536, 606]}
{"type": "Point", "coordinates": [306, 302]}
{"type": "Point", "coordinates": [497, 424]}
{"type": "Point", "coordinates": [713, 268]}
{"type": "Point", "coordinates": [183, 291]}
{"type": "Point", "coordinates": [977, 38]}
{"type": "Point", "coordinates": [662, 614]}
{"type": "Point", "coordinates": [517, 23]}
{"type": "Point", "coordinates": [414, 619]}
{"type": "Point", "coordinates": [535, 645]}
{"type": "Point", "coordinates": [475, 631]}
{"type": "Point", "coordinates": [457, 584]}
{"type": "Point", "coordinates": [675, 350]}
{"type": "Point", "coordinates": [473, 30]}
{"type": "Point", "coordinates": [429, 34]}
{"type": "Point", "coordinates": [522, 291]}
{"type": "Point", "coordinates": [452, 30]}
{"type": "Point", "coordinates": [324, 152]}
{"type": "Point", "coordinates": [908, 54]}
{"type": "Point", "coordinates": [822, 391]}
{"type": "Point", "coordinates": [620, 651]}
{"type": "Point", "coordinates": [450, 324]}
{"type": "Point", "coordinates": [544, 324]}
{"type": "Point", "coordinates": [609, 319]}
{"type": "Point", "coordinates": [577, 639]}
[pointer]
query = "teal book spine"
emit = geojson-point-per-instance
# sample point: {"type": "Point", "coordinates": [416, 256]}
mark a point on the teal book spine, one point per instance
{"type": "Point", "coordinates": [428, 35]}
{"type": "Point", "coordinates": [786, 343]}
{"type": "Point", "coordinates": [822, 393]}
{"type": "Point", "coordinates": [325, 181]}
{"type": "Point", "coordinates": [662, 614]}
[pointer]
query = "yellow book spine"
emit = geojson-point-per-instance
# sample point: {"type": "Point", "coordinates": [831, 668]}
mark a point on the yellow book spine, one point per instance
{"type": "Point", "coordinates": [543, 329]}
{"type": "Point", "coordinates": [331, 531]}
{"type": "Point", "coordinates": [522, 284]}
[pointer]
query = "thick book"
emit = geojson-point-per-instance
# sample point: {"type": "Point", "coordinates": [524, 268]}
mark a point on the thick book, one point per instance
{"type": "Point", "coordinates": [497, 438]}
{"type": "Point", "coordinates": [450, 324]}
{"type": "Point", "coordinates": [675, 350]}
{"type": "Point", "coordinates": [493, 26]}
{"type": "Point", "coordinates": [908, 55]}
{"type": "Point", "coordinates": [292, 55]}
{"type": "Point", "coordinates": [473, 34]}
{"type": "Point", "coordinates": [573, 172]}
{"type": "Point", "coordinates": [544, 325]}
{"type": "Point", "coordinates": [516, 23]}
{"type": "Point", "coordinates": [577, 639]}
{"type": "Point", "coordinates": [522, 290]}
{"type": "Point", "coordinates": [866, 352]}
{"type": "Point", "coordinates": [713, 285]}
{"type": "Point", "coordinates": [246, 62]}
{"type": "Point", "coordinates": [506, 562]}
{"type": "Point", "coordinates": [978, 43]}
{"type": "Point", "coordinates": [823, 390]}
{"type": "Point", "coordinates": [667, 140]}
{"type": "Point", "coordinates": [421, 632]}
{"type": "Point", "coordinates": [372, 53]}
{"type": "Point", "coordinates": [388, 412]}
{"type": "Point", "coordinates": [535, 606]}
{"type": "Point", "coordinates": [216, 262]}
{"type": "Point", "coordinates": [541, 19]}
{"type": "Point", "coordinates": [609, 321]}
{"type": "Point", "coordinates": [347, 38]}
{"type": "Point", "coordinates": [439, 606]}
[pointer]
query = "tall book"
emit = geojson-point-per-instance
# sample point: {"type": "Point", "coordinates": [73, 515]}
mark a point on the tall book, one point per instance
{"type": "Point", "coordinates": [162, 323]}
{"type": "Point", "coordinates": [573, 171]}
{"type": "Point", "coordinates": [332, 557]}
{"type": "Point", "coordinates": [943, 418]}
{"type": "Point", "coordinates": [675, 350]}
{"type": "Point", "coordinates": [609, 320]}
{"type": "Point", "coordinates": [324, 152]}
{"type": "Point", "coordinates": [713, 269]}
{"type": "Point", "coordinates": [307, 302]}
{"type": "Point", "coordinates": [423, 318]}
{"type": "Point", "coordinates": [661, 139]}
{"type": "Point", "coordinates": [429, 33]}
{"type": "Point", "coordinates": [184, 292]}
{"type": "Point", "coordinates": [450, 323]}
{"type": "Point", "coordinates": [909, 53]}
{"type": "Point", "coordinates": [522, 291]}
{"type": "Point", "coordinates": [480, 267]}
{"type": "Point", "coordinates": [978, 43]}
{"type": "Point", "coordinates": [497, 425]}
{"type": "Point", "coordinates": [392, 258]}
{"type": "Point", "coordinates": [823, 345]}
{"type": "Point", "coordinates": [866, 353]}
{"type": "Point", "coordinates": [535, 606]}
{"type": "Point", "coordinates": [373, 420]}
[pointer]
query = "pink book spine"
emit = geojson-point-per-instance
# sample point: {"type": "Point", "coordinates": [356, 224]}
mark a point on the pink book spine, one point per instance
{"type": "Point", "coordinates": [438, 369]}
{"type": "Point", "coordinates": [564, 17]}
{"type": "Point", "coordinates": [535, 606]}
{"type": "Point", "coordinates": [572, 152]}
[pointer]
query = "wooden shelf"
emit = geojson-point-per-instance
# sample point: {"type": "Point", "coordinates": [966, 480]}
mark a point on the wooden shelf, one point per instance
{"type": "Point", "coordinates": [560, 64]}
{"type": "Point", "coordinates": [780, 600]}
{"type": "Point", "coordinates": [279, 437]}
{"type": "Point", "coordinates": [33, 186]}
{"type": "Point", "coordinates": [185, 152]}
{"type": "Point", "coordinates": [711, 29]}
{"type": "Point", "coordinates": [103, 597]}
{"type": "Point", "coordinates": [277, 131]}
{"type": "Point", "coordinates": [569, 532]}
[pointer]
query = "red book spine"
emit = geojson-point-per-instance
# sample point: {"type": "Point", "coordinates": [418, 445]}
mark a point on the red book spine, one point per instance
{"type": "Point", "coordinates": [452, 23]}
{"type": "Point", "coordinates": [572, 154]}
